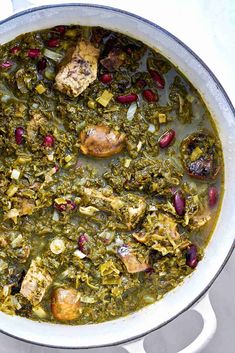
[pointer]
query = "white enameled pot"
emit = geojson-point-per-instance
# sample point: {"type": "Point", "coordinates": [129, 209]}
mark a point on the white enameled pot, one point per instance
{"type": "Point", "coordinates": [129, 331]}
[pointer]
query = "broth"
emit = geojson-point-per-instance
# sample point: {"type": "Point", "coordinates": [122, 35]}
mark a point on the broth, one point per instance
{"type": "Point", "coordinates": [111, 175]}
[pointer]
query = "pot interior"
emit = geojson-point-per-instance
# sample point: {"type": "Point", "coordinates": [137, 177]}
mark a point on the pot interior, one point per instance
{"type": "Point", "coordinates": [219, 247]}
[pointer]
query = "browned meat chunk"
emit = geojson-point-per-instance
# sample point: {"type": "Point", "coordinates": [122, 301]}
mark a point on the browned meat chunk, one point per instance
{"type": "Point", "coordinates": [200, 155]}
{"type": "Point", "coordinates": [132, 263]}
{"type": "Point", "coordinates": [35, 283]}
{"type": "Point", "coordinates": [78, 69]}
{"type": "Point", "coordinates": [65, 304]}
{"type": "Point", "coordinates": [101, 141]}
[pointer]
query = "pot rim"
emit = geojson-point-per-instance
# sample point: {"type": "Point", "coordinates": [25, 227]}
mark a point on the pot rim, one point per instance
{"type": "Point", "coordinates": [229, 102]}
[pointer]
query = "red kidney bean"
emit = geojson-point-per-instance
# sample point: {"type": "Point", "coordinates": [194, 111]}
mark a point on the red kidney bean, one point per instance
{"type": "Point", "coordinates": [213, 196]}
{"type": "Point", "coordinates": [82, 241]}
{"type": "Point", "coordinates": [129, 98]}
{"type": "Point", "coordinates": [34, 53]}
{"type": "Point", "coordinates": [60, 207]}
{"type": "Point", "coordinates": [141, 83]}
{"type": "Point", "coordinates": [15, 50]}
{"type": "Point", "coordinates": [106, 78]}
{"type": "Point", "coordinates": [158, 79]}
{"type": "Point", "coordinates": [19, 135]}
{"type": "Point", "coordinates": [42, 64]}
{"type": "Point", "coordinates": [60, 29]}
{"type": "Point", "coordinates": [167, 138]}
{"type": "Point", "coordinates": [53, 42]}
{"type": "Point", "coordinates": [192, 256]}
{"type": "Point", "coordinates": [179, 203]}
{"type": "Point", "coordinates": [49, 141]}
{"type": "Point", "coordinates": [56, 168]}
{"type": "Point", "coordinates": [71, 204]}
{"type": "Point", "coordinates": [150, 96]}
{"type": "Point", "coordinates": [6, 64]}
{"type": "Point", "coordinates": [150, 270]}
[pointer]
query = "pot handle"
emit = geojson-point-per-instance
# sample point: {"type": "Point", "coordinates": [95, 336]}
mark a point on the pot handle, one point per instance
{"type": "Point", "coordinates": [204, 308]}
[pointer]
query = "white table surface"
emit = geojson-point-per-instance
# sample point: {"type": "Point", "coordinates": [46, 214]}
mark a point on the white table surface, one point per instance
{"type": "Point", "coordinates": [208, 28]}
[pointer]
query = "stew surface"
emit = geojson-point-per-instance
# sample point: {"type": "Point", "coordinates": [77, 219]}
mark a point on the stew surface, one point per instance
{"type": "Point", "coordinates": [111, 175]}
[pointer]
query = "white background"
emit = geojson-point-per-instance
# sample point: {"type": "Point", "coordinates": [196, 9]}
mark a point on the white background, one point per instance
{"type": "Point", "coordinates": [208, 28]}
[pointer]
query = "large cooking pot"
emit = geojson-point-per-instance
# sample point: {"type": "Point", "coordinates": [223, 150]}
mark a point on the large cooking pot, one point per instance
{"type": "Point", "coordinates": [128, 331]}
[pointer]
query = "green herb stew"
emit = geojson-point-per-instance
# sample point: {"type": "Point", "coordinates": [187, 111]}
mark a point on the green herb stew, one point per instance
{"type": "Point", "coordinates": [111, 175]}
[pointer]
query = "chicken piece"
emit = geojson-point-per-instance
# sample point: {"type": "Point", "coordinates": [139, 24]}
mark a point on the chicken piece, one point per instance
{"type": "Point", "coordinates": [101, 141]}
{"type": "Point", "coordinates": [35, 283]}
{"type": "Point", "coordinates": [34, 124]}
{"type": "Point", "coordinates": [129, 208]}
{"type": "Point", "coordinates": [78, 69]}
{"type": "Point", "coordinates": [130, 260]}
{"type": "Point", "coordinates": [65, 304]}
